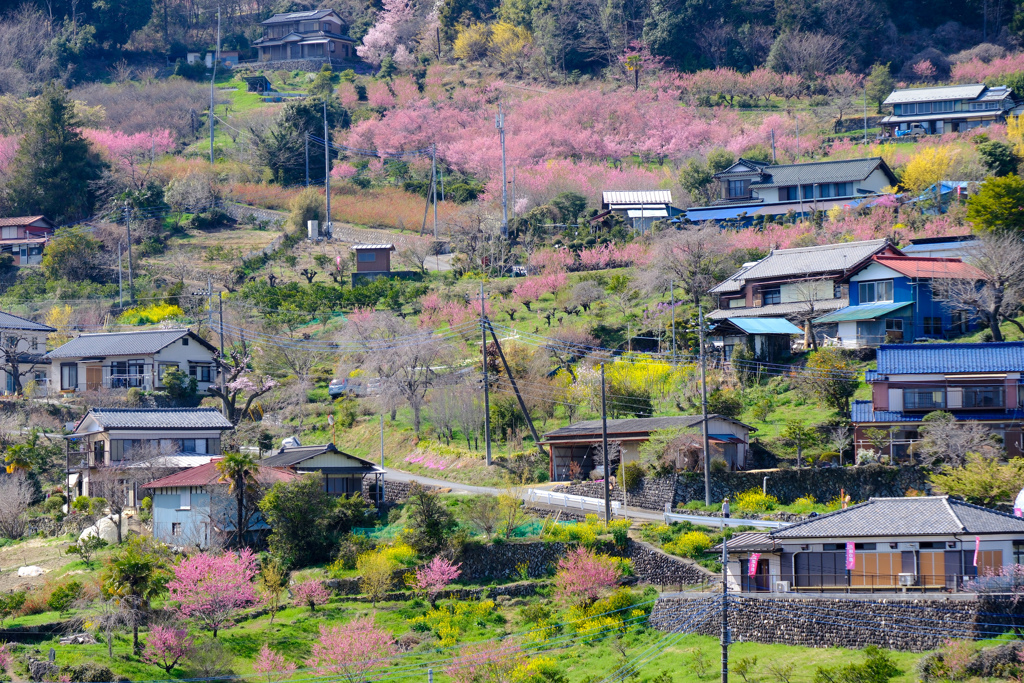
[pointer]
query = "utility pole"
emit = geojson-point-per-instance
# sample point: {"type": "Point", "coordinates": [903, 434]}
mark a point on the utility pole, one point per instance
{"type": "Point", "coordinates": [604, 449]}
{"type": "Point", "coordinates": [773, 145]}
{"type": "Point", "coordinates": [487, 391]}
{"type": "Point", "coordinates": [499, 123]}
{"type": "Point", "coordinates": [327, 169]}
{"type": "Point", "coordinates": [223, 374]}
{"type": "Point", "coordinates": [433, 187]}
{"type": "Point", "coordinates": [128, 226]}
{"type": "Point", "coordinates": [865, 113]}
{"type": "Point", "coordinates": [120, 282]}
{"type": "Point", "coordinates": [673, 287]}
{"type": "Point", "coordinates": [725, 610]}
{"type": "Point", "coordinates": [216, 58]}
{"type": "Point", "coordinates": [704, 406]}
{"type": "Point", "coordinates": [307, 159]}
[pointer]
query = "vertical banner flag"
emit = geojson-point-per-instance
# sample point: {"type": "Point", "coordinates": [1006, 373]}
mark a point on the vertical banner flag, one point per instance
{"type": "Point", "coordinates": [977, 549]}
{"type": "Point", "coordinates": [851, 555]}
{"type": "Point", "coordinates": [754, 557]}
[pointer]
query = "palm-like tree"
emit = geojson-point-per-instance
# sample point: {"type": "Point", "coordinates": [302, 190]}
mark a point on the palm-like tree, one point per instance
{"type": "Point", "coordinates": [239, 470]}
{"type": "Point", "coordinates": [135, 575]}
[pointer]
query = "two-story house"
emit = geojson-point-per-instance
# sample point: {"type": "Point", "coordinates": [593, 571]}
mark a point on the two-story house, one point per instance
{"type": "Point", "coordinates": [23, 352]}
{"type": "Point", "coordinates": [122, 360]}
{"type": "Point", "coordinates": [892, 300]}
{"type": "Point", "coordinates": [755, 188]}
{"type": "Point", "coordinates": [196, 508]}
{"type": "Point", "coordinates": [25, 237]}
{"type": "Point", "coordinates": [947, 109]}
{"type": "Point", "coordinates": [131, 446]}
{"type": "Point", "coordinates": [973, 382]}
{"type": "Point", "coordinates": [798, 284]}
{"type": "Point", "coordinates": [317, 35]}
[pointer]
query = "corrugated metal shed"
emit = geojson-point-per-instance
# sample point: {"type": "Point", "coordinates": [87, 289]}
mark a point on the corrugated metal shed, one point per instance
{"type": "Point", "coordinates": [918, 516]}
{"type": "Point", "coordinates": [636, 198]}
{"type": "Point", "coordinates": [948, 92]}
{"type": "Point", "coordinates": [862, 312]}
{"type": "Point", "coordinates": [369, 247]}
{"type": "Point", "coordinates": [899, 359]}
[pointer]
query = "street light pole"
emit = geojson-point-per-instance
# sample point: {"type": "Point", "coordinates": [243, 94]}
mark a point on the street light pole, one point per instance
{"type": "Point", "coordinates": [704, 407]}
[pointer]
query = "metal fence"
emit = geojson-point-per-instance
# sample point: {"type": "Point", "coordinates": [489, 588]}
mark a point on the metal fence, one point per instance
{"type": "Point", "coordinates": [854, 582]}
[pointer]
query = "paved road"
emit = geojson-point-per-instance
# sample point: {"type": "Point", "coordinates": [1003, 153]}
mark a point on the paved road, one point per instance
{"type": "Point", "coordinates": [407, 477]}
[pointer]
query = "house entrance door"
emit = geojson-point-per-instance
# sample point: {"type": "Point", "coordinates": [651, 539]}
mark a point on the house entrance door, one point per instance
{"type": "Point", "coordinates": [93, 377]}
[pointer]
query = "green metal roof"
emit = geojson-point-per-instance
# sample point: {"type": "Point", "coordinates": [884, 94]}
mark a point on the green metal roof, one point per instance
{"type": "Point", "coordinates": [862, 312]}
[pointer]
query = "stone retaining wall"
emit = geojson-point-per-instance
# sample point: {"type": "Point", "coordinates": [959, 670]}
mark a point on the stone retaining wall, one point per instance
{"type": "Point", "coordinates": [651, 494]}
{"type": "Point", "coordinates": [908, 623]}
{"type": "Point", "coordinates": [824, 483]}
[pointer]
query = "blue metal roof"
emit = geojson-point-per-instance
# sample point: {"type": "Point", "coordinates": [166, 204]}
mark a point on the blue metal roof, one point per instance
{"type": "Point", "coordinates": [897, 359]}
{"type": "Point", "coordinates": [765, 325]}
{"type": "Point", "coordinates": [863, 412]}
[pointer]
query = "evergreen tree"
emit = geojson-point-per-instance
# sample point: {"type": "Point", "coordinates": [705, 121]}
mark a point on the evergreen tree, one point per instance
{"type": "Point", "coordinates": [53, 167]}
{"type": "Point", "coordinates": [880, 84]}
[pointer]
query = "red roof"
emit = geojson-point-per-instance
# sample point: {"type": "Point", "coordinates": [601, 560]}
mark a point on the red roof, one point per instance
{"type": "Point", "coordinates": [929, 267]}
{"type": "Point", "coordinates": [205, 475]}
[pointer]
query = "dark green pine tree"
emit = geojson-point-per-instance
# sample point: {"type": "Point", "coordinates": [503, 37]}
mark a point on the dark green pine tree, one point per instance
{"type": "Point", "coordinates": [54, 165]}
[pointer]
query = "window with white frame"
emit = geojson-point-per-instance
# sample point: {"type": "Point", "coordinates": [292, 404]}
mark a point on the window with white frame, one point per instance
{"type": "Point", "coordinates": [873, 292]}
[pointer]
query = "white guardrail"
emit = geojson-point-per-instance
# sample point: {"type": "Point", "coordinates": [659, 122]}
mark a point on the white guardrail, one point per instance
{"type": "Point", "coordinates": [570, 501]}
{"type": "Point", "coordinates": [720, 521]}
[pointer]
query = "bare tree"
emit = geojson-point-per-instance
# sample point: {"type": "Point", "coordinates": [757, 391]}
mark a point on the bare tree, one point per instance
{"type": "Point", "coordinates": [415, 254]}
{"type": "Point", "coordinates": [585, 294]}
{"type": "Point", "coordinates": [714, 40]}
{"type": "Point", "coordinates": [19, 355]}
{"type": "Point", "coordinates": [469, 411]}
{"type": "Point", "coordinates": [443, 410]}
{"type": "Point", "coordinates": [811, 293]}
{"type": "Point", "coordinates": [567, 345]}
{"type": "Point", "coordinates": [995, 294]}
{"type": "Point", "coordinates": [485, 513]}
{"type": "Point", "coordinates": [693, 258]}
{"type": "Point", "coordinates": [407, 360]}
{"type": "Point", "coordinates": [808, 54]}
{"type": "Point", "coordinates": [15, 496]}
{"type": "Point", "coordinates": [947, 442]}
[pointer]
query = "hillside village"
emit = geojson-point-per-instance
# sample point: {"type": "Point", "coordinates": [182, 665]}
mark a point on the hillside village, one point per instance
{"type": "Point", "coordinates": [525, 342]}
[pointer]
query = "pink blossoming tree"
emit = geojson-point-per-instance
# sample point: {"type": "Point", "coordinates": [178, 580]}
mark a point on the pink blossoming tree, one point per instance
{"type": "Point", "coordinates": [351, 651]}
{"type": "Point", "coordinates": [133, 153]}
{"type": "Point", "coordinates": [271, 666]}
{"type": "Point", "coordinates": [211, 589]}
{"type": "Point", "coordinates": [166, 646]}
{"type": "Point", "coordinates": [311, 593]}
{"type": "Point", "coordinates": [432, 577]}
{"type": "Point", "coordinates": [486, 662]}
{"type": "Point", "coordinates": [392, 28]}
{"type": "Point", "coordinates": [583, 574]}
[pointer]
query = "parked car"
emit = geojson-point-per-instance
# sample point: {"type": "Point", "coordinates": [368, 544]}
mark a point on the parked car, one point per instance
{"type": "Point", "coordinates": [352, 387]}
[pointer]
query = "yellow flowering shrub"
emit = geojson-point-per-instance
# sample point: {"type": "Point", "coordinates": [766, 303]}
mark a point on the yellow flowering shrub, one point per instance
{"type": "Point", "coordinates": [149, 315]}
{"type": "Point", "coordinates": [449, 622]}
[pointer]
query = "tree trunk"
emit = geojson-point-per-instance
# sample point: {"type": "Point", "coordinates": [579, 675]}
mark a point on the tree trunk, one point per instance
{"type": "Point", "coordinates": [240, 483]}
{"type": "Point", "coordinates": [416, 417]}
{"type": "Point", "coordinates": [993, 324]}
{"type": "Point", "coordinates": [135, 632]}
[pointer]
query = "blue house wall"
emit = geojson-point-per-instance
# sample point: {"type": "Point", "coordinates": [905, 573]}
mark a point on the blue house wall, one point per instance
{"type": "Point", "coordinates": [167, 511]}
{"type": "Point", "coordinates": [925, 305]}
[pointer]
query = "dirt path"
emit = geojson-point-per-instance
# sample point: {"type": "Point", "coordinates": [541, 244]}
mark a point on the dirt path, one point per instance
{"type": "Point", "coordinates": [41, 552]}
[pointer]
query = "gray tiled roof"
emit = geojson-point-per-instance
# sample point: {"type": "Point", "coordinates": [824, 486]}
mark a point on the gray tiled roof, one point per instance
{"type": "Point", "coordinates": [140, 343]}
{"type": "Point", "coordinates": [949, 92]}
{"type": "Point", "coordinates": [297, 16]}
{"type": "Point", "coordinates": [287, 457]}
{"type": "Point", "coordinates": [9, 321]}
{"type": "Point", "coordinates": [776, 310]}
{"type": "Point", "coordinates": [160, 418]}
{"type": "Point", "coordinates": [809, 261]}
{"type": "Point", "coordinates": [842, 171]}
{"type": "Point", "coordinates": [922, 516]}
{"type": "Point", "coordinates": [751, 541]}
